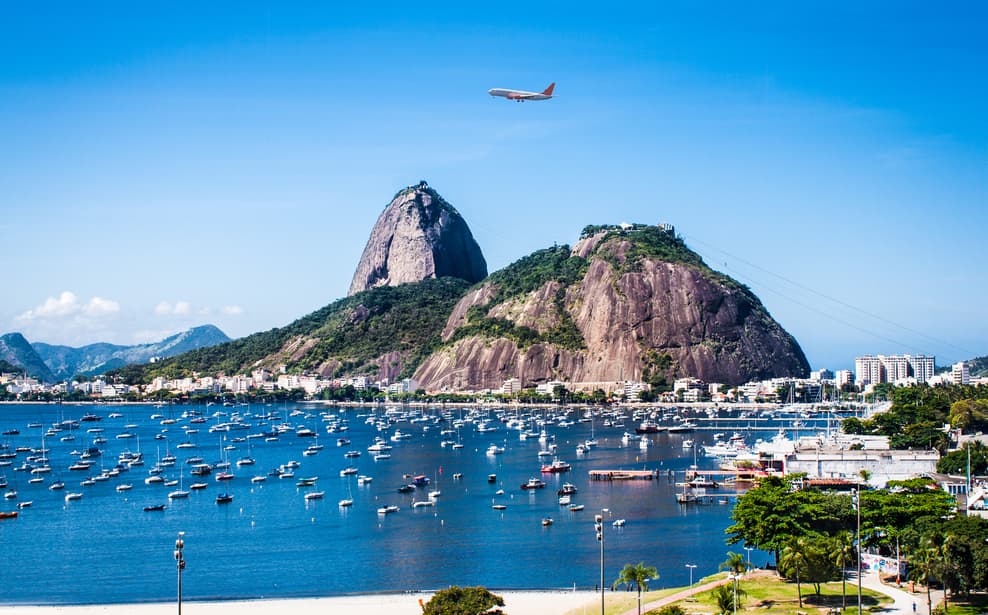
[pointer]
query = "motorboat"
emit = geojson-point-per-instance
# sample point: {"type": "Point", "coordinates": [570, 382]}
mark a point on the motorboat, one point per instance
{"type": "Point", "coordinates": [315, 495]}
{"type": "Point", "coordinates": [556, 467]}
{"type": "Point", "coordinates": [533, 483]}
{"type": "Point", "coordinates": [387, 510]}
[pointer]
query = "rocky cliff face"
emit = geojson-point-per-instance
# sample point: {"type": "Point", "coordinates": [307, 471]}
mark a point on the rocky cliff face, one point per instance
{"type": "Point", "coordinates": [418, 236]}
{"type": "Point", "coordinates": [622, 305]}
{"type": "Point", "coordinates": [17, 351]}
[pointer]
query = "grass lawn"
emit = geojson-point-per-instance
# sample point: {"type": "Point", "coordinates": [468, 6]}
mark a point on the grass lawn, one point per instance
{"type": "Point", "coordinates": [766, 593]}
{"type": "Point", "coordinates": [976, 604]}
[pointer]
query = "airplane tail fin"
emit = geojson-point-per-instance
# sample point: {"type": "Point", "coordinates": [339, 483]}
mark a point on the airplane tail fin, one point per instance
{"type": "Point", "coordinates": [548, 90]}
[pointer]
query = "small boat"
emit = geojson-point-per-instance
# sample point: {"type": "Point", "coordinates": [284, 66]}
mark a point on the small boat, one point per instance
{"type": "Point", "coordinates": [224, 498]}
{"type": "Point", "coordinates": [564, 500]}
{"type": "Point", "coordinates": [8, 515]}
{"type": "Point", "coordinates": [363, 480]}
{"type": "Point", "coordinates": [154, 508]}
{"type": "Point", "coordinates": [55, 486]}
{"type": "Point", "coordinates": [567, 489]}
{"type": "Point", "coordinates": [458, 476]}
{"type": "Point", "coordinates": [151, 480]}
{"type": "Point", "coordinates": [422, 503]}
{"type": "Point", "coordinates": [576, 507]}
{"type": "Point", "coordinates": [533, 483]}
{"type": "Point", "coordinates": [387, 510]}
{"type": "Point", "coordinates": [25, 504]}
{"type": "Point", "coordinates": [315, 495]}
{"type": "Point", "coordinates": [224, 476]}
{"type": "Point", "coordinates": [346, 502]}
{"type": "Point", "coordinates": [492, 478]}
{"type": "Point", "coordinates": [125, 487]}
{"type": "Point", "coordinates": [351, 454]}
{"type": "Point", "coordinates": [69, 497]}
{"type": "Point", "coordinates": [618, 523]}
{"type": "Point", "coordinates": [258, 479]}
{"type": "Point", "coordinates": [556, 467]}
{"type": "Point", "coordinates": [406, 488]}
{"type": "Point", "coordinates": [494, 449]}
{"type": "Point", "coordinates": [198, 486]}
{"type": "Point", "coordinates": [348, 471]}
{"type": "Point", "coordinates": [178, 494]}
{"type": "Point", "coordinates": [546, 521]}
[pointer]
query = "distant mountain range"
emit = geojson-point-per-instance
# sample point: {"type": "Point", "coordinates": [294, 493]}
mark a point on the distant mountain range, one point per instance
{"type": "Point", "coordinates": [54, 363]}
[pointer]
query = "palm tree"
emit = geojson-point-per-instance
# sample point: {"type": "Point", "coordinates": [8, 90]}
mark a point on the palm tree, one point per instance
{"type": "Point", "coordinates": [842, 551]}
{"type": "Point", "coordinates": [735, 563]}
{"type": "Point", "coordinates": [793, 556]}
{"type": "Point", "coordinates": [638, 575]}
{"type": "Point", "coordinates": [724, 598]}
{"type": "Point", "coordinates": [922, 563]}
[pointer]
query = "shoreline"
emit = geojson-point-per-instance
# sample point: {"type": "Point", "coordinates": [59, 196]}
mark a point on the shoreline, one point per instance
{"type": "Point", "coordinates": [531, 602]}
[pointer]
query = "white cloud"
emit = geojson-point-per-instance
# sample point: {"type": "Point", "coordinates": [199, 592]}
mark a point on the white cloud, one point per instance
{"type": "Point", "coordinates": [233, 310]}
{"type": "Point", "coordinates": [67, 304]}
{"type": "Point", "coordinates": [99, 306]}
{"type": "Point", "coordinates": [179, 308]}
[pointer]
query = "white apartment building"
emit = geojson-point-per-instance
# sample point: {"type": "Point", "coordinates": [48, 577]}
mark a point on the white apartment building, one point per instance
{"type": "Point", "coordinates": [960, 373]}
{"type": "Point", "coordinates": [511, 386]}
{"type": "Point", "coordinates": [843, 377]}
{"type": "Point", "coordinates": [876, 369]}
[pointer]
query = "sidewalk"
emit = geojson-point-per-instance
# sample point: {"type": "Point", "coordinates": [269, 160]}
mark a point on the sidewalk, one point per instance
{"type": "Point", "coordinates": [686, 593]}
{"type": "Point", "coordinates": [905, 602]}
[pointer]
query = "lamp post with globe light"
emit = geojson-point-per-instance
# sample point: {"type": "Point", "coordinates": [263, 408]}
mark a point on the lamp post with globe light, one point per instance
{"type": "Point", "coordinates": [598, 523]}
{"type": "Point", "coordinates": [180, 564]}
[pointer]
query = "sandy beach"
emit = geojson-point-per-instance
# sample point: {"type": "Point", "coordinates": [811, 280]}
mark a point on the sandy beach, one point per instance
{"type": "Point", "coordinates": [515, 603]}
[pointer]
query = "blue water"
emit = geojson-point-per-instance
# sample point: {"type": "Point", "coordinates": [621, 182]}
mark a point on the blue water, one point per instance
{"type": "Point", "coordinates": [271, 542]}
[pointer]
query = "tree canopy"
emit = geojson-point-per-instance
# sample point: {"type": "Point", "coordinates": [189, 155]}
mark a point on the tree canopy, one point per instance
{"type": "Point", "coordinates": [457, 600]}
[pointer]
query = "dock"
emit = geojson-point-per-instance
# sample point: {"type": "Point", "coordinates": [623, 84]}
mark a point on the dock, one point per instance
{"type": "Point", "coordinates": [622, 474]}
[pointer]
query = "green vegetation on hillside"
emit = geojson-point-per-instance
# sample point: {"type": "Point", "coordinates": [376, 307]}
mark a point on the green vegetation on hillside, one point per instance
{"type": "Point", "coordinates": [353, 331]}
{"type": "Point", "coordinates": [521, 277]}
{"type": "Point", "coordinates": [7, 367]}
{"type": "Point", "coordinates": [918, 414]}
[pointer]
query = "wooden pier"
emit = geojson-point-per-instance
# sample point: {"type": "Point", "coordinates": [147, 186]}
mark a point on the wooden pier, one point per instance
{"type": "Point", "coordinates": [622, 474]}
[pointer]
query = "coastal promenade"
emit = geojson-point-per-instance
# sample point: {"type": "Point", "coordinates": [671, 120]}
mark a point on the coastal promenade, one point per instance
{"type": "Point", "coordinates": [516, 603]}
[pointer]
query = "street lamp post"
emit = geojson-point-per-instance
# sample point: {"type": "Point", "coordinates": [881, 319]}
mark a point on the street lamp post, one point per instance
{"type": "Point", "coordinates": [598, 521]}
{"type": "Point", "coordinates": [749, 550]}
{"type": "Point", "coordinates": [857, 505]}
{"type": "Point", "coordinates": [180, 564]}
{"type": "Point", "coordinates": [735, 577]}
{"type": "Point", "coordinates": [691, 567]}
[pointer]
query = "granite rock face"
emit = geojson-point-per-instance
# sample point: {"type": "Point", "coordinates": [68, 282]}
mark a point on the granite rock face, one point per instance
{"type": "Point", "coordinates": [418, 236]}
{"type": "Point", "coordinates": [641, 307]}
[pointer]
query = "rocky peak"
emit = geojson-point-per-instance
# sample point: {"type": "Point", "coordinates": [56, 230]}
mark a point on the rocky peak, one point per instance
{"type": "Point", "coordinates": [418, 236]}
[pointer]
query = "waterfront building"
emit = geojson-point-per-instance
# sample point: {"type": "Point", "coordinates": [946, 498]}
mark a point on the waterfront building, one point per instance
{"type": "Point", "coordinates": [511, 386]}
{"type": "Point", "coordinates": [844, 457]}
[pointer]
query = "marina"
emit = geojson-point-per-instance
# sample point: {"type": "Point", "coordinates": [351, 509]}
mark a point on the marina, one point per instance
{"type": "Point", "coordinates": [281, 536]}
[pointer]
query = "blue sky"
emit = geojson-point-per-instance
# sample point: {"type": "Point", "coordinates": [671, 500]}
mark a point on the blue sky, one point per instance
{"type": "Point", "coordinates": [167, 166]}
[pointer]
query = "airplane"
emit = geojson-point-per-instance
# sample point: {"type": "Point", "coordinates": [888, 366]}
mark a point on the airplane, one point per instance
{"type": "Point", "coordinates": [521, 96]}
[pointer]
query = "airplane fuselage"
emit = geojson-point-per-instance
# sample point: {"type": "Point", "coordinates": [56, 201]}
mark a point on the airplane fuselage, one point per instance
{"type": "Point", "coordinates": [521, 95]}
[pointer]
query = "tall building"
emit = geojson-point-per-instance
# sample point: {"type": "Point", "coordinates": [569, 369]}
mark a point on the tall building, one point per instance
{"type": "Point", "coordinates": [871, 369]}
{"type": "Point", "coordinates": [960, 373]}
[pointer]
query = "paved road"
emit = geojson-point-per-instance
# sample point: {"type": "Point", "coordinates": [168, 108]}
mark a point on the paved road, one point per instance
{"type": "Point", "coordinates": [905, 602]}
